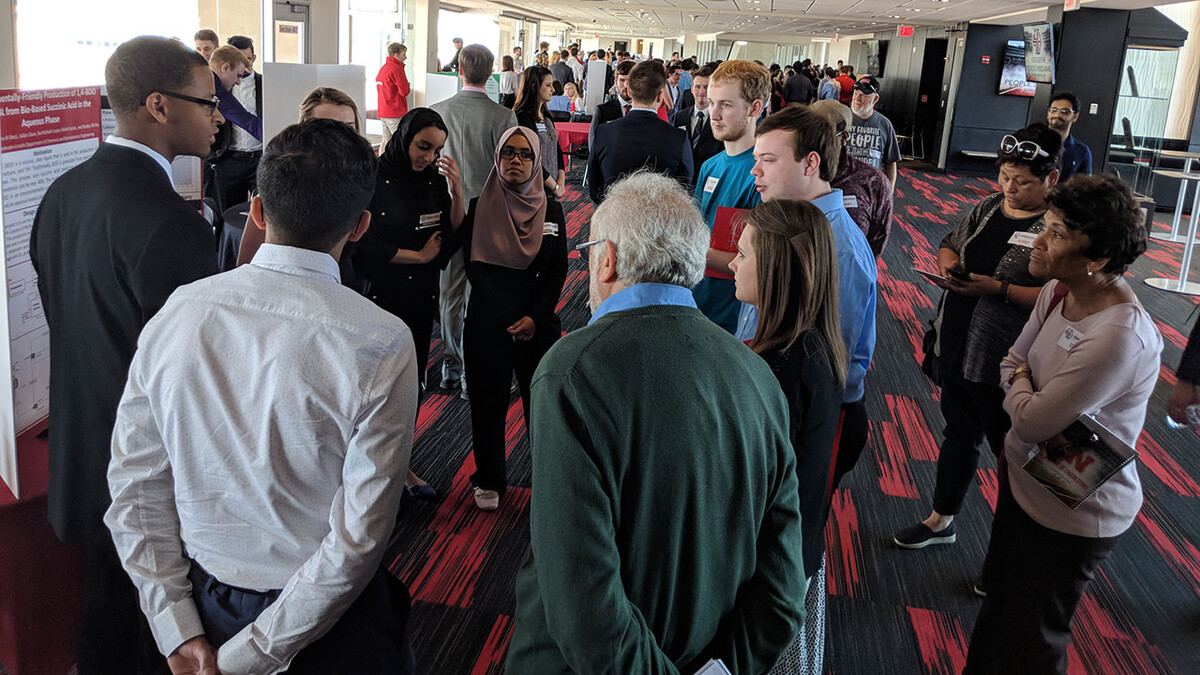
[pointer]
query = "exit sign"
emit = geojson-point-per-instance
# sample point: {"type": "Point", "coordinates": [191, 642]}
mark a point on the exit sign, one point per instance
{"type": "Point", "coordinates": [905, 31]}
{"type": "Point", "coordinates": [1070, 5]}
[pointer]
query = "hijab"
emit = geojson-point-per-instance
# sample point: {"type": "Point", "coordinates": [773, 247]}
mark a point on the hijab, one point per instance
{"type": "Point", "coordinates": [395, 162]}
{"type": "Point", "coordinates": [509, 218]}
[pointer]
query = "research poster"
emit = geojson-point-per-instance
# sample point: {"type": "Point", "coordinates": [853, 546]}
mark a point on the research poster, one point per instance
{"type": "Point", "coordinates": [42, 135]}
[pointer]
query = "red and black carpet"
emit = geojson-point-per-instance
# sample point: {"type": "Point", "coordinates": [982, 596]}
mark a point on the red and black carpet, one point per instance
{"type": "Point", "coordinates": [890, 610]}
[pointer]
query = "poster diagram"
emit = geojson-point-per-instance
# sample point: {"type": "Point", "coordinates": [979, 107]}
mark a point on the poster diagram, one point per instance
{"type": "Point", "coordinates": [43, 134]}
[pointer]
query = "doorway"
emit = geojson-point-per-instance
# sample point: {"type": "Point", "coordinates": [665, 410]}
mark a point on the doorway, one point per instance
{"type": "Point", "coordinates": [291, 33]}
{"type": "Point", "coordinates": [930, 110]}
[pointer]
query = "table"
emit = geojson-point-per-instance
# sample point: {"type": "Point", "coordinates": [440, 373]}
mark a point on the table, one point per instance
{"type": "Point", "coordinates": [1181, 285]}
{"type": "Point", "coordinates": [1183, 177]}
{"type": "Point", "coordinates": [1187, 157]}
{"type": "Point", "coordinates": [572, 134]}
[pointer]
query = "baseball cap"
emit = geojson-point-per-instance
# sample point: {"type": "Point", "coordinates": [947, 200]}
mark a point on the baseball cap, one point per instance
{"type": "Point", "coordinates": [867, 84]}
{"type": "Point", "coordinates": [837, 114]}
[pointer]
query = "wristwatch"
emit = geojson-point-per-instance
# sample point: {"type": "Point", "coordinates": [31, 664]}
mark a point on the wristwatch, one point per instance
{"type": "Point", "coordinates": [1021, 369]}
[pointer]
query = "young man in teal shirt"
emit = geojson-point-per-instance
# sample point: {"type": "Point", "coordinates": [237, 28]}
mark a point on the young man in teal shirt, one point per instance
{"type": "Point", "coordinates": [737, 93]}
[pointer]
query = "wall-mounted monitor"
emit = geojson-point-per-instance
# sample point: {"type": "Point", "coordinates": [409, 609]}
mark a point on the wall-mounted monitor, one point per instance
{"type": "Point", "coordinates": [1013, 81]}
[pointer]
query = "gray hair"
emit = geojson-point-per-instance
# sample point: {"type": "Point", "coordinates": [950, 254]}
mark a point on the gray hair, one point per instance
{"type": "Point", "coordinates": [656, 228]}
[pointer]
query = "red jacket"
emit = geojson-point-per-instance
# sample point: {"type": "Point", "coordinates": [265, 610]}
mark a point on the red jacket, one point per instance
{"type": "Point", "coordinates": [392, 84]}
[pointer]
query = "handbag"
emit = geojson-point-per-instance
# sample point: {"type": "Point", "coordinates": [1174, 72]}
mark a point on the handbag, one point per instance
{"type": "Point", "coordinates": [931, 365]}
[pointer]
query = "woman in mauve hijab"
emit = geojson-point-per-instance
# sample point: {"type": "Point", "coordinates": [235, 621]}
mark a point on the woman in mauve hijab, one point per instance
{"type": "Point", "coordinates": [516, 264]}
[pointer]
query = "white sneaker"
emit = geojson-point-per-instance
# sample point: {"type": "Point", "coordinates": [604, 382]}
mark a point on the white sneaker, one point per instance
{"type": "Point", "coordinates": [487, 500]}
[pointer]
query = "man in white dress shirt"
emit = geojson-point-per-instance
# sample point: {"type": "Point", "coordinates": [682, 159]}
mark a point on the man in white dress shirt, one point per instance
{"type": "Point", "coordinates": [263, 437]}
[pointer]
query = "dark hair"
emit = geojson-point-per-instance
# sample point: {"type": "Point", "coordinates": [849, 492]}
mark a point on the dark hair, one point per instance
{"type": "Point", "coordinates": [624, 67]}
{"type": "Point", "coordinates": [706, 71]}
{"type": "Point", "coordinates": [646, 80]}
{"type": "Point", "coordinates": [564, 54]}
{"type": "Point", "coordinates": [811, 133]}
{"type": "Point", "coordinates": [1103, 208]}
{"type": "Point", "coordinates": [599, 53]}
{"type": "Point", "coordinates": [240, 42]}
{"type": "Point", "coordinates": [1068, 97]}
{"type": "Point", "coordinates": [208, 35]}
{"type": "Point", "coordinates": [507, 63]}
{"type": "Point", "coordinates": [830, 72]}
{"type": "Point", "coordinates": [316, 179]}
{"type": "Point", "coordinates": [1047, 139]}
{"type": "Point", "coordinates": [527, 92]}
{"type": "Point", "coordinates": [144, 65]}
{"type": "Point", "coordinates": [689, 65]}
{"type": "Point", "coordinates": [673, 67]}
{"type": "Point", "coordinates": [475, 64]}
{"type": "Point", "coordinates": [558, 88]}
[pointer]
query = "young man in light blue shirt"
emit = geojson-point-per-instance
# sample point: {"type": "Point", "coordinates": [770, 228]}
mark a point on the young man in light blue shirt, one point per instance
{"type": "Point", "coordinates": [737, 93]}
{"type": "Point", "coordinates": [796, 155]}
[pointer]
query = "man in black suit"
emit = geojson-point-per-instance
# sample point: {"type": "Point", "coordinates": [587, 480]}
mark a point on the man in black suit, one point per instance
{"type": "Point", "coordinates": [696, 122]}
{"type": "Point", "coordinates": [111, 240]}
{"type": "Point", "coordinates": [639, 139]}
{"type": "Point", "coordinates": [613, 108]}
{"type": "Point", "coordinates": [561, 71]}
{"type": "Point", "coordinates": [799, 88]}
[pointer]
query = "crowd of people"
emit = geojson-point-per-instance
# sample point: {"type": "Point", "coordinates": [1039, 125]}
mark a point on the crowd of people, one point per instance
{"type": "Point", "coordinates": [233, 463]}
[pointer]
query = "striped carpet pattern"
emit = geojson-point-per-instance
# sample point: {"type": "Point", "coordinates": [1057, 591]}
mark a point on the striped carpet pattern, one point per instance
{"type": "Point", "coordinates": [890, 610]}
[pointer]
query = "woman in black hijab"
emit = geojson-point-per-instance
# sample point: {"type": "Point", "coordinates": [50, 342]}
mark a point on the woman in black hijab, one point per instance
{"type": "Point", "coordinates": [418, 198]}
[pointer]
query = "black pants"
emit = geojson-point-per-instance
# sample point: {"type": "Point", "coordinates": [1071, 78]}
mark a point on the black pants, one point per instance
{"type": "Point", "coordinates": [491, 356]}
{"type": "Point", "coordinates": [370, 638]}
{"type": "Point", "coordinates": [851, 441]}
{"type": "Point", "coordinates": [1034, 578]}
{"type": "Point", "coordinates": [973, 412]}
{"type": "Point", "coordinates": [236, 176]}
{"type": "Point", "coordinates": [416, 307]}
{"type": "Point", "coordinates": [115, 637]}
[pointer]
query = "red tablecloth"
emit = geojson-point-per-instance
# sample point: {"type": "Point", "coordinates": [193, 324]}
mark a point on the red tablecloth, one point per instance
{"type": "Point", "coordinates": [571, 134]}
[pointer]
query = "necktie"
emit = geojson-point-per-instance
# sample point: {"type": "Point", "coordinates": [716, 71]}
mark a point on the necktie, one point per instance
{"type": "Point", "coordinates": [626, 109]}
{"type": "Point", "coordinates": [696, 130]}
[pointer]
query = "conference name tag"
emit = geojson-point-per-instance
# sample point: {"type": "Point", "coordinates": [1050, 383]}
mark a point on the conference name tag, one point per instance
{"type": "Point", "coordinates": [710, 185]}
{"type": "Point", "coordinates": [1023, 239]}
{"type": "Point", "coordinates": [1069, 338]}
{"type": "Point", "coordinates": [850, 201]}
{"type": "Point", "coordinates": [550, 230]}
{"type": "Point", "coordinates": [429, 220]}
{"type": "Point", "coordinates": [541, 127]}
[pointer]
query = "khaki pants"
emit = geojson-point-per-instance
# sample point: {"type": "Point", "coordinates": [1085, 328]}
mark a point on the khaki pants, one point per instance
{"type": "Point", "coordinates": [390, 126]}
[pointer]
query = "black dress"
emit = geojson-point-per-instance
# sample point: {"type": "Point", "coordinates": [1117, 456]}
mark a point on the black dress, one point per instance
{"type": "Point", "coordinates": [500, 296]}
{"type": "Point", "coordinates": [407, 208]}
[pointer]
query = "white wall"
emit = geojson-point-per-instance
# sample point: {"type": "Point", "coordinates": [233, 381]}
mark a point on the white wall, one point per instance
{"type": "Point", "coordinates": [324, 30]}
{"type": "Point", "coordinates": [839, 50]}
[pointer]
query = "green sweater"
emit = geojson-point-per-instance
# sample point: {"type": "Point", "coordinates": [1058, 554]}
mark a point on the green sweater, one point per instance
{"type": "Point", "coordinates": [665, 524]}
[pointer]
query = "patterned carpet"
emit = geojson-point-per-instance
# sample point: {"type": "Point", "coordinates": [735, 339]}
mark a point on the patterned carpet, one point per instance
{"type": "Point", "coordinates": [890, 610]}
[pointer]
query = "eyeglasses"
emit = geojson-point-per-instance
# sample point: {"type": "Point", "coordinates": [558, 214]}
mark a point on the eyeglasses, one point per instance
{"type": "Point", "coordinates": [523, 155]}
{"type": "Point", "coordinates": [583, 248]}
{"type": "Point", "coordinates": [1026, 150]}
{"type": "Point", "coordinates": [211, 104]}
{"type": "Point", "coordinates": [1060, 111]}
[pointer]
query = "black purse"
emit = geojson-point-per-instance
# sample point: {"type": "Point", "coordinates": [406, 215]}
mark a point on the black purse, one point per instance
{"type": "Point", "coordinates": [931, 365]}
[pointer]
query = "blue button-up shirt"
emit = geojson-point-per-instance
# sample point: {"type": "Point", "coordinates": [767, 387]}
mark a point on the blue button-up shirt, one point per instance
{"type": "Point", "coordinates": [644, 295]}
{"type": "Point", "coordinates": [856, 288]}
{"type": "Point", "coordinates": [1076, 158]}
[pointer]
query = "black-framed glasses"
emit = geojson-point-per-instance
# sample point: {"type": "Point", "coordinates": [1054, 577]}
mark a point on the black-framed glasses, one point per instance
{"type": "Point", "coordinates": [1026, 150]}
{"type": "Point", "coordinates": [523, 155]}
{"type": "Point", "coordinates": [583, 248]}
{"type": "Point", "coordinates": [211, 104]}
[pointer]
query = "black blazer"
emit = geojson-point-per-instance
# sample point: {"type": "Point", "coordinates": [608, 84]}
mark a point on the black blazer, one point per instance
{"type": "Point", "coordinates": [640, 139]}
{"type": "Point", "coordinates": [686, 100]}
{"type": "Point", "coordinates": [1189, 364]}
{"type": "Point", "coordinates": [703, 147]}
{"type": "Point", "coordinates": [562, 72]}
{"type": "Point", "coordinates": [111, 240]}
{"type": "Point", "coordinates": [605, 112]}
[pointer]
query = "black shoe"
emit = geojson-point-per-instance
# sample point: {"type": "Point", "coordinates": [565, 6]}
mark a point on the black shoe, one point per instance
{"type": "Point", "coordinates": [920, 536]}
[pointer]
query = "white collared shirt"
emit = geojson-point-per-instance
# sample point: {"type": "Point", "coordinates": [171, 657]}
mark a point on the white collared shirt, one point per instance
{"type": "Point", "coordinates": [245, 92]}
{"type": "Point", "coordinates": [264, 432]}
{"type": "Point", "coordinates": [144, 149]}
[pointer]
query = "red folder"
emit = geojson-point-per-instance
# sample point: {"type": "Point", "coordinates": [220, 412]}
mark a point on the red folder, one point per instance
{"type": "Point", "coordinates": [727, 228]}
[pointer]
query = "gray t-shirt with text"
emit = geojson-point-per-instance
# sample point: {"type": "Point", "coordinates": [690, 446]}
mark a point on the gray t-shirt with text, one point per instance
{"type": "Point", "coordinates": [873, 141]}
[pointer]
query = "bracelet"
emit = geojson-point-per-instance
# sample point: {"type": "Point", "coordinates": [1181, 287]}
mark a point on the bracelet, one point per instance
{"type": "Point", "coordinates": [1022, 369]}
{"type": "Point", "coordinates": [1004, 290]}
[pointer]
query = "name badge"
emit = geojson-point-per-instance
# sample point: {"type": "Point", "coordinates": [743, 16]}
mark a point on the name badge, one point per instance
{"type": "Point", "coordinates": [550, 230]}
{"type": "Point", "coordinates": [850, 201]}
{"type": "Point", "coordinates": [710, 185]}
{"type": "Point", "coordinates": [1069, 338]}
{"type": "Point", "coordinates": [1022, 239]}
{"type": "Point", "coordinates": [429, 220]}
{"type": "Point", "coordinates": [541, 127]}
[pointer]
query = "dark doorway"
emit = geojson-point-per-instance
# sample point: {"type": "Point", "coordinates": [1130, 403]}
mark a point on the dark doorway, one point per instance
{"type": "Point", "coordinates": [930, 100]}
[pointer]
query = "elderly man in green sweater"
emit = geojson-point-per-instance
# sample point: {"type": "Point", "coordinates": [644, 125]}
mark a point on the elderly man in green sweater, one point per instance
{"type": "Point", "coordinates": [665, 524]}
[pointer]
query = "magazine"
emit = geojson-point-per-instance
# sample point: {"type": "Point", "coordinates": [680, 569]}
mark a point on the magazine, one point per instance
{"type": "Point", "coordinates": [1075, 463]}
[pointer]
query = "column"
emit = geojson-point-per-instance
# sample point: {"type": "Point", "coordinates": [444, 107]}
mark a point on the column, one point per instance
{"type": "Point", "coordinates": [422, 51]}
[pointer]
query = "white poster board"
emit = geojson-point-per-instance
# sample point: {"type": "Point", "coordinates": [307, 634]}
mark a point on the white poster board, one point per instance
{"type": "Point", "coordinates": [42, 135]}
{"type": "Point", "coordinates": [286, 84]}
{"type": "Point", "coordinates": [597, 75]}
{"type": "Point", "coordinates": [440, 86]}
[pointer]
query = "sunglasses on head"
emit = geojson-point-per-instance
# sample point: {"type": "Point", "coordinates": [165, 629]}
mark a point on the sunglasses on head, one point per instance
{"type": "Point", "coordinates": [1026, 150]}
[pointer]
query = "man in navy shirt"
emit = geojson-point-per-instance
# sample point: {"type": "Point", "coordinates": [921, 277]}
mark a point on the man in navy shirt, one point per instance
{"type": "Point", "coordinates": [1076, 156]}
